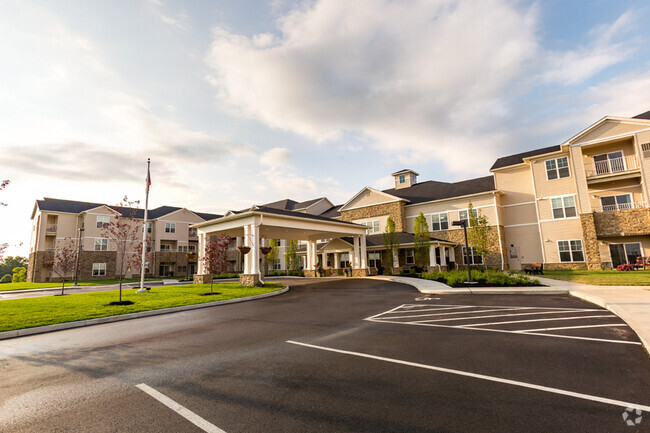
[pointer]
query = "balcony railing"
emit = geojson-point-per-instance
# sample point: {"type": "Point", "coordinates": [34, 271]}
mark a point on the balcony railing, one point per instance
{"type": "Point", "coordinates": [610, 166]}
{"type": "Point", "coordinates": [621, 206]}
{"type": "Point", "coordinates": [50, 228]}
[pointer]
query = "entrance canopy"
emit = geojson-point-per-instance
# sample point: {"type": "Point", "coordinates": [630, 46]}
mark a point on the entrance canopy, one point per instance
{"type": "Point", "coordinates": [259, 224]}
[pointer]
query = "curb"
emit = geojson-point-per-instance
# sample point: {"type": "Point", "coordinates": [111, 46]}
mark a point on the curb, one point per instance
{"type": "Point", "coordinates": [110, 319]}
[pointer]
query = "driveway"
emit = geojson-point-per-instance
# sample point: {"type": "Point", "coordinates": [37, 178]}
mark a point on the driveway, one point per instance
{"type": "Point", "coordinates": [337, 355]}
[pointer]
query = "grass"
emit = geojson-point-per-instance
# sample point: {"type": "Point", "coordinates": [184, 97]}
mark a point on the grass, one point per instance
{"type": "Point", "coordinates": [602, 278]}
{"type": "Point", "coordinates": [493, 278]}
{"type": "Point", "coordinates": [50, 310]}
{"type": "Point", "coordinates": [24, 286]}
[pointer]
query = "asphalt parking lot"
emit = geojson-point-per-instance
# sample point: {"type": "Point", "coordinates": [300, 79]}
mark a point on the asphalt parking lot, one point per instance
{"type": "Point", "coordinates": [346, 355]}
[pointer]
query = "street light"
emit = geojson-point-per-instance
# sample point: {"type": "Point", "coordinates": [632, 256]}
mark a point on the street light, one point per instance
{"type": "Point", "coordinates": [76, 269]}
{"type": "Point", "coordinates": [463, 224]}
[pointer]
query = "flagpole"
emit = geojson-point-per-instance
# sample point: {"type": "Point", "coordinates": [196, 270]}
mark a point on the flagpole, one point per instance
{"type": "Point", "coordinates": [144, 229]}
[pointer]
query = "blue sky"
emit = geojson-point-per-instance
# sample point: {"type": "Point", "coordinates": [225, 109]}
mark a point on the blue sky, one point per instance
{"type": "Point", "coordinates": [242, 102]}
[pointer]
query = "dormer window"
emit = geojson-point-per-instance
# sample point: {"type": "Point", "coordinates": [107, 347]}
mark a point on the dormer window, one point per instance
{"type": "Point", "coordinates": [402, 178]}
{"type": "Point", "coordinates": [405, 178]}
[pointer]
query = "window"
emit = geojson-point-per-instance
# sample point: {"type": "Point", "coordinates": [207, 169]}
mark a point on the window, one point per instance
{"type": "Point", "coordinates": [192, 232]}
{"type": "Point", "coordinates": [474, 257]}
{"type": "Point", "coordinates": [277, 265]}
{"type": "Point", "coordinates": [345, 260]}
{"type": "Point", "coordinates": [609, 163]}
{"type": "Point", "coordinates": [101, 244]}
{"type": "Point", "coordinates": [557, 168]}
{"type": "Point", "coordinates": [402, 178]}
{"type": "Point", "coordinates": [170, 227]}
{"type": "Point", "coordinates": [149, 228]}
{"type": "Point", "coordinates": [374, 259]}
{"type": "Point", "coordinates": [102, 222]}
{"type": "Point", "coordinates": [165, 248]}
{"type": "Point", "coordinates": [410, 258]}
{"type": "Point", "coordinates": [616, 202]}
{"type": "Point", "coordinates": [645, 148]}
{"type": "Point", "coordinates": [571, 251]}
{"type": "Point", "coordinates": [439, 221]}
{"type": "Point", "coordinates": [182, 249]}
{"type": "Point", "coordinates": [373, 226]}
{"type": "Point", "coordinates": [192, 248]}
{"type": "Point", "coordinates": [462, 215]}
{"type": "Point", "coordinates": [563, 207]}
{"type": "Point", "coordinates": [99, 269]}
{"type": "Point", "coordinates": [625, 253]}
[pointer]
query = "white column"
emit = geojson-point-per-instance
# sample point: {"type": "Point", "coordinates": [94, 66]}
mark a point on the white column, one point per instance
{"type": "Point", "coordinates": [364, 254]}
{"type": "Point", "coordinates": [308, 257]}
{"type": "Point", "coordinates": [432, 255]}
{"type": "Point", "coordinates": [396, 259]}
{"type": "Point", "coordinates": [247, 257]}
{"type": "Point", "coordinates": [314, 255]}
{"type": "Point", "coordinates": [255, 249]}
{"type": "Point", "coordinates": [355, 259]}
{"type": "Point", "coordinates": [452, 255]}
{"type": "Point", "coordinates": [443, 256]}
{"type": "Point", "coordinates": [201, 254]}
{"type": "Point", "coordinates": [337, 260]}
{"type": "Point", "coordinates": [324, 260]}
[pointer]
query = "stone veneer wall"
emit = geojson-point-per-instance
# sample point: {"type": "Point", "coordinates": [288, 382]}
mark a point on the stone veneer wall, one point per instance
{"type": "Point", "coordinates": [493, 260]}
{"type": "Point", "coordinates": [565, 266]}
{"type": "Point", "coordinates": [249, 280]}
{"type": "Point", "coordinates": [627, 222]}
{"type": "Point", "coordinates": [395, 210]}
{"type": "Point", "coordinates": [592, 253]}
{"type": "Point", "coordinates": [202, 278]}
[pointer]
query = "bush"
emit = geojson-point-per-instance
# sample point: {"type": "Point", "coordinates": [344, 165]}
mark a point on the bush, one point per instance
{"type": "Point", "coordinates": [5, 279]}
{"type": "Point", "coordinates": [625, 267]}
{"type": "Point", "coordinates": [20, 275]}
{"type": "Point", "coordinates": [492, 278]}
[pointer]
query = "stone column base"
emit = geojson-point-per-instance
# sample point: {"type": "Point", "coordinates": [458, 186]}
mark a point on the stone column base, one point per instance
{"type": "Point", "coordinates": [359, 273]}
{"type": "Point", "coordinates": [250, 280]}
{"type": "Point", "coordinates": [310, 274]}
{"type": "Point", "coordinates": [202, 279]}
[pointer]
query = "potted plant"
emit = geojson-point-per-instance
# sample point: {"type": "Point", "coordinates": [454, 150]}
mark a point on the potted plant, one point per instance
{"type": "Point", "coordinates": [265, 250]}
{"type": "Point", "coordinates": [348, 271]}
{"type": "Point", "coordinates": [191, 255]}
{"type": "Point", "coordinates": [318, 269]}
{"type": "Point", "coordinates": [244, 250]}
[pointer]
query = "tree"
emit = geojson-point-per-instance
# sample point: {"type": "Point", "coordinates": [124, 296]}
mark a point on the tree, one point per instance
{"type": "Point", "coordinates": [291, 257]}
{"type": "Point", "coordinates": [10, 262]}
{"type": "Point", "coordinates": [422, 241]}
{"type": "Point", "coordinates": [3, 246]}
{"type": "Point", "coordinates": [19, 275]}
{"type": "Point", "coordinates": [65, 260]}
{"type": "Point", "coordinates": [273, 255]}
{"type": "Point", "coordinates": [478, 235]}
{"type": "Point", "coordinates": [214, 257]}
{"type": "Point", "coordinates": [136, 262]}
{"type": "Point", "coordinates": [391, 244]}
{"type": "Point", "coordinates": [123, 231]}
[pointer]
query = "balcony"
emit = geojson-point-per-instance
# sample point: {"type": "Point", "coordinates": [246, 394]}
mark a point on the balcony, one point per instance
{"type": "Point", "coordinates": [621, 206]}
{"type": "Point", "coordinates": [50, 229]}
{"type": "Point", "coordinates": [608, 168]}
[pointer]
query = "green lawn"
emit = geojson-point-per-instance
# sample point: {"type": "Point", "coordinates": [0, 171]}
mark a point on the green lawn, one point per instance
{"type": "Point", "coordinates": [603, 278]}
{"type": "Point", "coordinates": [23, 286]}
{"type": "Point", "coordinates": [50, 310]}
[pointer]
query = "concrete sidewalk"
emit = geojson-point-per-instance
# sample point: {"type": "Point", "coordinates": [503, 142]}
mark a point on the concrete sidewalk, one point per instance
{"type": "Point", "coordinates": [630, 303]}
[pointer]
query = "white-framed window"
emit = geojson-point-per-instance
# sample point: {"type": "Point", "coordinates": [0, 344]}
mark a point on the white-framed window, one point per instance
{"type": "Point", "coordinates": [192, 248]}
{"type": "Point", "coordinates": [165, 248]}
{"type": "Point", "coordinates": [99, 269]}
{"type": "Point", "coordinates": [402, 178]}
{"type": "Point", "coordinates": [557, 168]}
{"type": "Point", "coordinates": [101, 244]}
{"type": "Point", "coordinates": [474, 257]}
{"type": "Point", "coordinates": [616, 202]}
{"type": "Point", "coordinates": [344, 260]}
{"type": "Point", "coordinates": [409, 255]}
{"type": "Point", "coordinates": [170, 227]}
{"type": "Point", "coordinates": [277, 265]}
{"type": "Point", "coordinates": [149, 227]}
{"type": "Point", "coordinates": [373, 226]}
{"type": "Point", "coordinates": [463, 215]}
{"type": "Point", "coordinates": [570, 251]}
{"type": "Point", "coordinates": [374, 259]}
{"type": "Point", "coordinates": [563, 207]}
{"type": "Point", "coordinates": [182, 249]}
{"type": "Point", "coordinates": [612, 162]}
{"type": "Point", "coordinates": [440, 221]}
{"type": "Point", "coordinates": [103, 221]}
{"type": "Point", "coordinates": [192, 232]}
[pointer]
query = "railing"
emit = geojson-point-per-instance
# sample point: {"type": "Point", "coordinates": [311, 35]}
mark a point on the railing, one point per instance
{"type": "Point", "coordinates": [50, 228]}
{"type": "Point", "coordinates": [614, 165]}
{"type": "Point", "coordinates": [621, 206]}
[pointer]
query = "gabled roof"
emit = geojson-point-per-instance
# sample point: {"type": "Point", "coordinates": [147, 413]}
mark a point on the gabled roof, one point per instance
{"type": "Point", "coordinates": [388, 195]}
{"type": "Point", "coordinates": [333, 212]}
{"type": "Point", "coordinates": [433, 190]}
{"type": "Point", "coordinates": [645, 115]}
{"type": "Point", "coordinates": [518, 158]}
{"type": "Point", "coordinates": [406, 170]}
{"type": "Point", "coordinates": [288, 204]}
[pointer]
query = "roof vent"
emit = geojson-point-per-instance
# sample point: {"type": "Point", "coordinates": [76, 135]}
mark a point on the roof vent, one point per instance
{"type": "Point", "coordinates": [405, 178]}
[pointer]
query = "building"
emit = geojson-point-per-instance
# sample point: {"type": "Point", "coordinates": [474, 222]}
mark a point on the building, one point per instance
{"type": "Point", "coordinates": [170, 239]}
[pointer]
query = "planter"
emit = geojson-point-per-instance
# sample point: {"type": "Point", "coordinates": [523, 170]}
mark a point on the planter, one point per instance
{"type": "Point", "coordinates": [265, 250]}
{"type": "Point", "coordinates": [244, 250]}
{"type": "Point", "coordinates": [191, 256]}
{"type": "Point", "coordinates": [318, 274]}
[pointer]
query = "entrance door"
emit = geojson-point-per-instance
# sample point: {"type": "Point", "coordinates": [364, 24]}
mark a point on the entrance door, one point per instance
{"type": "Point", "coordinates": [617, 251]}
{"type": "Point", "coordinates": [514, 262]}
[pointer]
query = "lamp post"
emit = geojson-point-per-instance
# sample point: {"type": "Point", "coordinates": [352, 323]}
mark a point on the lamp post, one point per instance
{"type": "Point", "coordinates": [463, 224]}
{"type": "Point", "coordinates": [76, 269]}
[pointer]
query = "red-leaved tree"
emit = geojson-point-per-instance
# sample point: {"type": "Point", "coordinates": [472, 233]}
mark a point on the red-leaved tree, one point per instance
{"type": "Point", "coordinates": [148, 258]}
{"type": "Point", "coordinates": [65, 260]}
{"type": "Point", "coordinates": [124, 231]}
{"type": "Point", "coordinates": [214, 257]}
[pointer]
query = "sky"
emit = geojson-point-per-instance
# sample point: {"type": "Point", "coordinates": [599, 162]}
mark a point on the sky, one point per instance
{"type": "Point", "coordinates": [247, 102]}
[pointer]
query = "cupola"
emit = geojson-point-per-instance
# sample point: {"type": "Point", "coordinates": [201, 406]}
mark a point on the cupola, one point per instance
{"type": "Point", "coordinates": [405, 178]}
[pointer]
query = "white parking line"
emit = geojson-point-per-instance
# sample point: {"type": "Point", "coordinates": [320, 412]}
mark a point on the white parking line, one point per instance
{"type": "Point", "coordinates": [182, 411]}
{"type": "Point", "coordinates": [550, 319]}
{"type": "Point", "coordinates": [572, 327]}
{"type": "Point", "coordinates": [492, 315]}
{"type": "Point", "coordinates": [604, 400]}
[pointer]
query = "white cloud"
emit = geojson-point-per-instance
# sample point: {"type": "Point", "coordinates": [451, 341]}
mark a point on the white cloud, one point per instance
{"type": "Point", "coordinates": [276, 157]}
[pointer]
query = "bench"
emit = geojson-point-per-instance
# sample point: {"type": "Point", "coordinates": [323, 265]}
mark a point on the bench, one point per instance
{"type": "Point", "coordinates": [642, 262]}
{"type": "Point", "coordinates": [534, 268]}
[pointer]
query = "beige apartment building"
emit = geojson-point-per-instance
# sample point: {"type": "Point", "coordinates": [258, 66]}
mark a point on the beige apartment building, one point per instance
{"type": "Point", "coordinates": [54, 221]}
